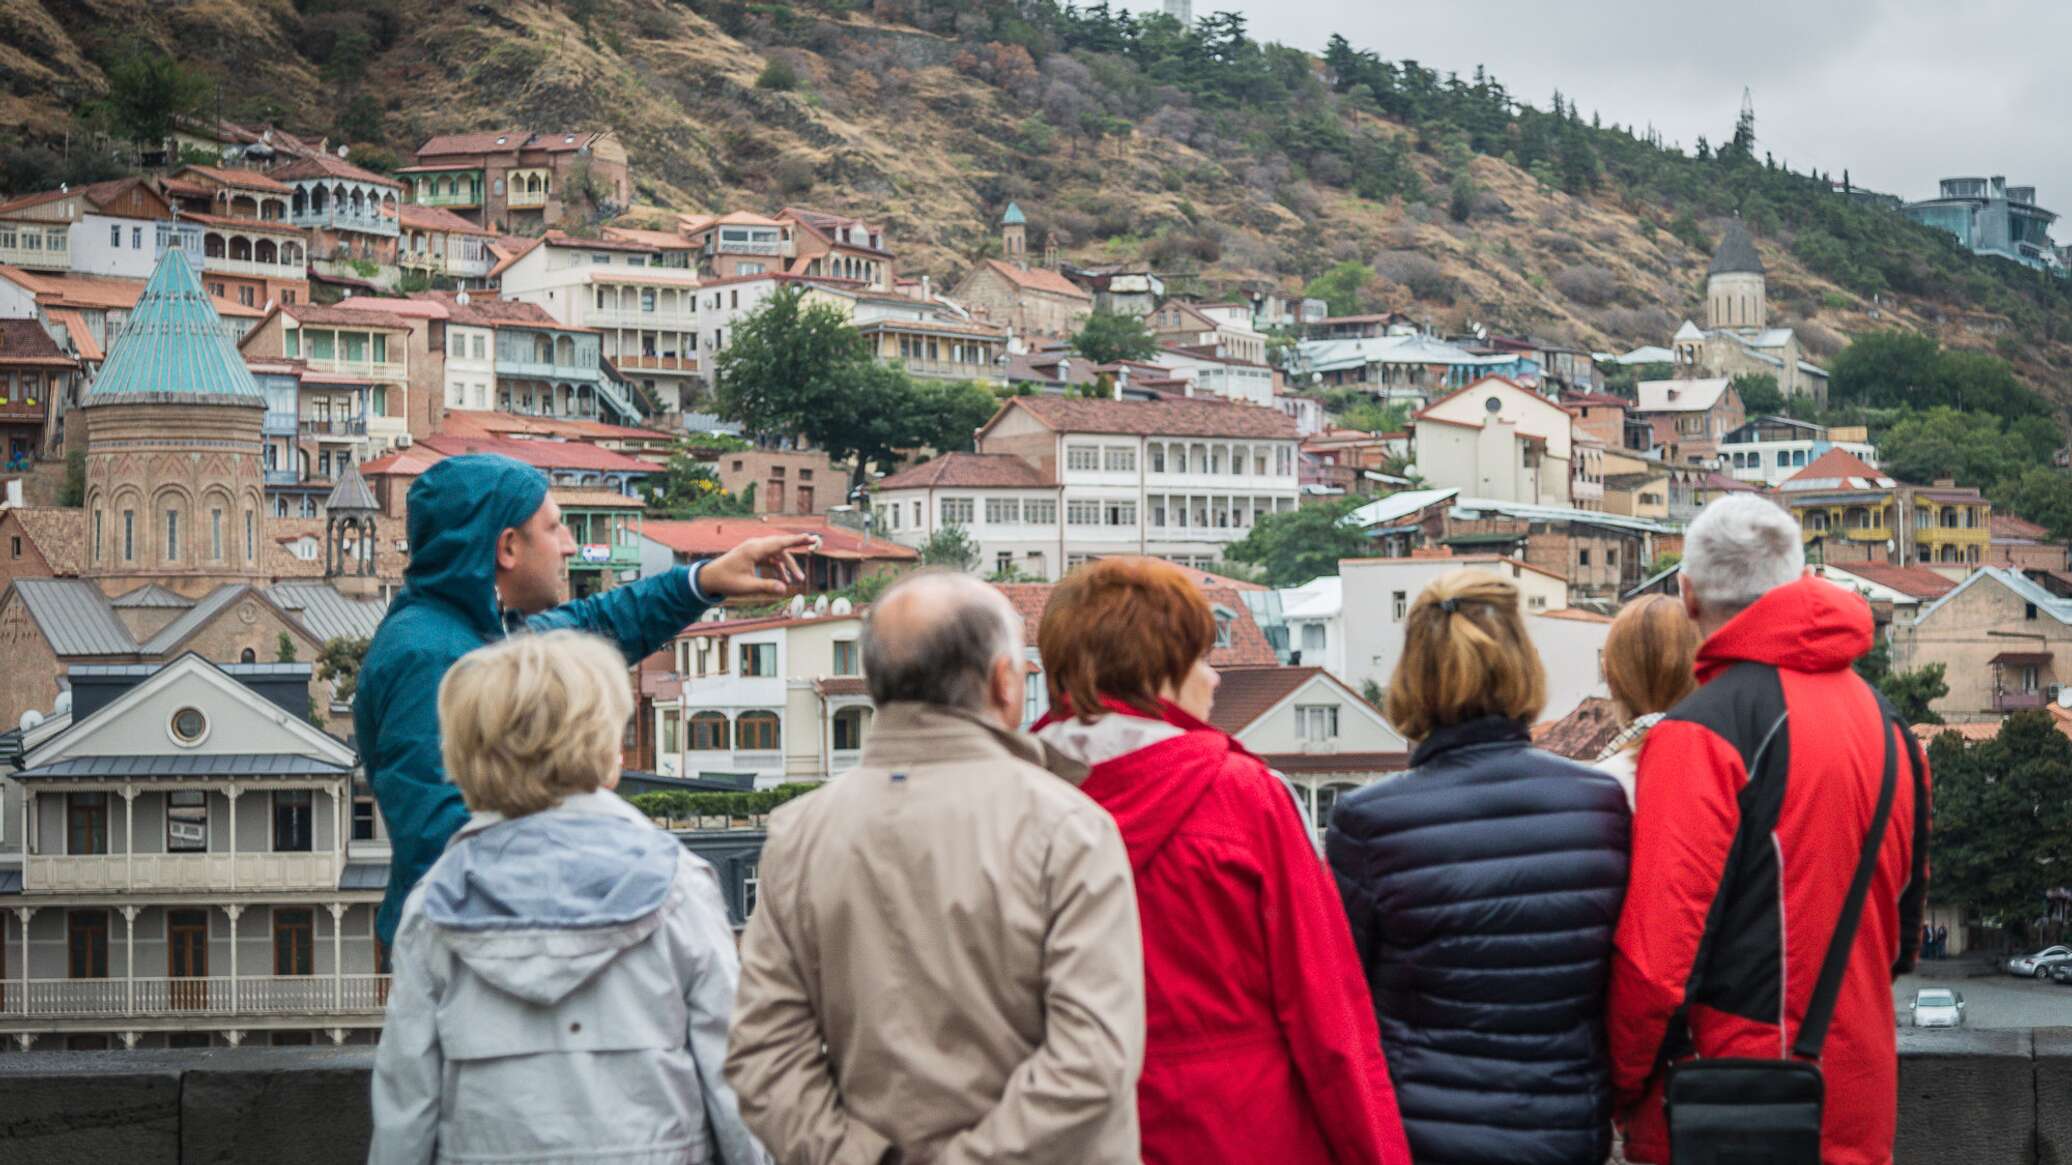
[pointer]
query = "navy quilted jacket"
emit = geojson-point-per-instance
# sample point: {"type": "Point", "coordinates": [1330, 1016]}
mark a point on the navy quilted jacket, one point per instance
{"type": "Point", "coordinates": [1483, 887]}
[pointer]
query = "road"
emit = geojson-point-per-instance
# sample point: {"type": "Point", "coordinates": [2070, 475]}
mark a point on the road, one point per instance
{"type": "Point", "coordinates": [1996, 1000]}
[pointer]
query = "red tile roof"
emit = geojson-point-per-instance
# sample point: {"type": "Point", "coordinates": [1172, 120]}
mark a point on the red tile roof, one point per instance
{"type": "Point", "coordinates": [482, 423]}
{"type": "Point", "coordinates": [58, 532]}
{"type": "Point", "coordinates": [317, 313]}
{"type": "Point", "coordinates": [1038, 279]}
{"type": "Point", "coordinates": [232, 222]}
{"type": "Point", "coordinates": [327, 166]}
{"type": "Point", "coordinates": [705, 537]}
{"type": "Point", "coordinates": [240, 179]}
{"type": "Point", "coordinates": [437, 218]}
{"type": "Point", "coordinates": [1582, 734]}
{"type": "Point", "coordinates": [1573, 615]}
{"type": "Point", "coordinates": [402, 463]}
{"type": "Point", "coordinates": [1159, 418]}
{"type": "Point", "coordinates": [1838, 463]}
{"type": "Point", "coordinates": [764, 623]}
{"type": "Point", "coordinates": [97, 194]}
{"type": "Point", "coordinates": [1248, 645]}
{"type": "Point", "coordinates": [489, 143]}
{"type": "Point", "coordinates": [1247, 693]}
{"type": "Point", "coordinates": [564, 239]}
{"type": "Point", "coordinates": [968, 471]}
{"type": "Point", "coordinates": [1593, 399]}
{"type": "Point", "coordinates": [542, 454]}
{"type": "Point", "coordinates": [1916, 581]}
{"type": "Point", "coordinates": [24, 342]}
{"type": "Point", "coordinates": [2007, 527]}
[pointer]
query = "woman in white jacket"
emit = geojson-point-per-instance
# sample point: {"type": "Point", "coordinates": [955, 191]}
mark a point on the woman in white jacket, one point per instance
{"type": "Point", "coordinates": [565, 972]}
{"type": "Point", "coordinates": [1648, 657]}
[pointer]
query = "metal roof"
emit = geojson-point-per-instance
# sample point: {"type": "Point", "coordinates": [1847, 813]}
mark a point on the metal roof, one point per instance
{"type": "Point", "coordinates": [2049, 604]}
{"type": "Point", "coordinates": [1013, 216]}
{"type": "Point", "coordinates": [74, 617]}
{"type": "Point", "coordinates": [174, 347]}
{"type": "Point", "coordinates": [1736, 253]}
{"type": "Point", "coordinates": [352, 493]}
{"type": "Point", "coordinates": [1531, 512]}
{"type": "Point", "coordinates": [326, 613]}
{"type": "Point", "coordinates": [248, 764]}
{"type": "Point", "coordinates": [151, 596]}
{"type": "Point", "coordinates": [364, 876]}
{"type": "Point", "coordinates": [1397, 505]}
{"type": "Point", "coordinates": [193, 618]}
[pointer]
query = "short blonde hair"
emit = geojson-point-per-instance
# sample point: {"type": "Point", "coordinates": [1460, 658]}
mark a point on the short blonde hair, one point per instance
{"type": "Point", "coordinates": [1648, 656]}
{"type": "Point", "coordinates": [528, 721]}
{"type": "Point", "coordinates": [1465, 654]}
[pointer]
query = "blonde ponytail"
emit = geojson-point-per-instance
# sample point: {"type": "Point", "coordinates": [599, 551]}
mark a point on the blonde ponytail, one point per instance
{"type": "Point", "coordinates": [1465, 654]}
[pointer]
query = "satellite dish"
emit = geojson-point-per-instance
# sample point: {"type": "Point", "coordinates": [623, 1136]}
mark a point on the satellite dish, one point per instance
{"type": "Point", "coordinates": [30, 719]}
{"type": "Point", "coordinates": [819, 605]}
{"type": "Point", "coordinates": [2065, 696]}
{"type": "Point", "coordinates": [63, 705]}
{"type": "Point", "coordinates": [841, 606]}
{"type": "Point", "coordinates": [713, 615]}
{"type": "Point", "coordinates": [796, 607]}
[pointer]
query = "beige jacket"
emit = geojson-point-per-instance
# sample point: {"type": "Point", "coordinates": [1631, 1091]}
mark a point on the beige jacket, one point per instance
{"type": "Point", "coordinates": [944, 961]}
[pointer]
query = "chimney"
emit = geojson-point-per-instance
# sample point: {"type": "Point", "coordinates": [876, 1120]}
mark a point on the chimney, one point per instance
{"type": "Point", "coordinates": [1945, 483]}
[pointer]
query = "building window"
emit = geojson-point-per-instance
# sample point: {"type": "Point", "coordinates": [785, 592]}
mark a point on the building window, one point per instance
{"type": "Point", "coordinates": [1312, 638]}
{"type": "Point", "coordinates": [293, 829]}
{"type": "Point", "coordinates": [956, 511]}
{"type": "Point", "coordinates": [1399, 601]}
{"type": "Point", "coordinates": [14, 544]}
{"type": "Point", "coordinates": [363, 817]}
{"type": "Point", "coordinates": [97, 535]}
{"type": "Point", "coordinates": [1223, 621]}
{"type": "Point", "coordinates": [1040, 512]}
{"type": "Point", "coordinates": [1583, 556]}
{"type": "Point", "coordinates": [86, 941]}
{"type": "Point", "coordinates": [708, 732]}
{"type": "Point", "coordinates": [245, 296]}
{"type": "Point", "coordinates": [216, 535]}
{"type": "Point", "coordinates": [1317, 722]}
{"type": "Point", "coordinates": [1119, 459]}
{"type": "Point", "coordinates": [1003, 511]}
{"type": "Point", "coordinates": [751, 884]}
{"type": "Point", "coordinates": [1082, 513]}
{"type": "Point", "coordinates": [86, 823]}
{"type": "Point", "coordinates": [186, 821]}
{"type": "Point", "coordinates": [757, 732]}
{"type": "Point", "coordinates": [1158, 457]}
{"type": "Point", "coordinates": [848, 729]}
{"type": "Point", "coordinates": [250, 548]}
{"type": "Point", "coordinates": [1120, 513]}
{"type": "Point", "coordinates": [129, 535]}
{"type": "Point", "coordinates": [172, 535]}
{"type": "Point", "coordinates": [758, 659]}
{"type": "Point", "coordinates": [846, 658]}
{"type": "Point", "coordinates": [294, 941]}
{"type": "Point", "coordinates": [1082, 457]}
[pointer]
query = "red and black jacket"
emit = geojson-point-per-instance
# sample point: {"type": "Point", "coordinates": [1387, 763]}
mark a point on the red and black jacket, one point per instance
{"type": "Point", "coordinates": [1781, 666]}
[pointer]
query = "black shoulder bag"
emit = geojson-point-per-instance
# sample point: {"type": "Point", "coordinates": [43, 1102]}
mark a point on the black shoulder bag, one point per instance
{"type": "Point", "coordinates": [1749, 1111]}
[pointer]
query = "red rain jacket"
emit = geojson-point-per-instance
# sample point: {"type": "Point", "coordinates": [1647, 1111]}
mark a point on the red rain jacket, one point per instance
{"type": "Point", "coordinates": [1261, 1040]}
{"type": "Point", "coordinates": [1790, 650]}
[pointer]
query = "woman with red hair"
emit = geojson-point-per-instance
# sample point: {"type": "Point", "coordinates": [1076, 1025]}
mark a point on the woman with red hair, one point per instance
{"type": "Point", "coordinates": [1261, 1040]}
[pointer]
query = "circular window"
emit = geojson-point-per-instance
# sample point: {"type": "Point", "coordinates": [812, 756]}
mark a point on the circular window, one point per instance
{"type": "Point", "coordinates": [1493, 404]}
{"type": "Point", "coordinates": [190, 726]}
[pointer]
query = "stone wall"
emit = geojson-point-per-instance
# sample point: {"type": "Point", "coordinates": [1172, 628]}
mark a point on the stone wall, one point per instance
{"type": "Point", "coordinates": [1964, 1096]}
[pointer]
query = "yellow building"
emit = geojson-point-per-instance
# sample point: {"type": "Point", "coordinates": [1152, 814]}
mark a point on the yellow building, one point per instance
{"type": "Point", "coordinates": [1851, 512]}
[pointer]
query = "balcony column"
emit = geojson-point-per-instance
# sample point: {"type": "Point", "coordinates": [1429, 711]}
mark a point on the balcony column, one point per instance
{"type": "Point", "coordinates": [129, 850]}
{"type": "Point", "coordinates": [129, 1040]}
{"type": "Point", "coordinates": [231, 792]}
{"type": "Point", "coordinates": [22, 915]}
{"type": "Point", "coordinates": [129, 960]}
{"type": "Point", "coordinates": [233, 910]}
{"type": "Point", "coordinates": [338, 956]}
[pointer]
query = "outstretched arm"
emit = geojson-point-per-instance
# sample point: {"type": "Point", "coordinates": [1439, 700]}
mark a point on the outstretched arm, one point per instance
{"type": "Point", "coordinates": [643, 617]}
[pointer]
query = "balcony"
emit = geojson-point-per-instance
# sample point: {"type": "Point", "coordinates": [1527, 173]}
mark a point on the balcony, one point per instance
{"type": "Point", "coordinates": [2005, 701]}
{"type": "Point", "coordinates": [432, 260]}
{"type": "Point", "coordinates": [57, 257]}
{"type": "Point", "coordinates": [284, 424]}
{"type": "Point", "coordinates": [68, 873]}
{"type": "Point", "coordinates": [525, 199]}
{"type": "Point", "coordinates": [656, 363]}
{"type": "Point", "coordinates": [212, 995]}
{"type": "Point", "coordinates": [253, 268]}
{"type": "Point", "coordinates": [945, 369]}
{"type": "Point", "coordinates": [330, 218]}
{"type": "Point", "coordinates": [372, 371]}
{"type": "Point", "coordinates": [685, 320]}
{"type": "Point", "coordinates": [283, 477]}
{"type": "Point", "coordinates": [464, 195]}
{"type": "Point", "coordinates": [339, 427]}
{"type": "Point", "coordinates": [775, 247]}
{"type": "Point", "coordinates": [538, 370]}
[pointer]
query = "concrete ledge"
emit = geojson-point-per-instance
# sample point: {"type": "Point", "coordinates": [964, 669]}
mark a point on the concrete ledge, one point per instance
{"type": "Point", "coordinates": [1964, 1095]}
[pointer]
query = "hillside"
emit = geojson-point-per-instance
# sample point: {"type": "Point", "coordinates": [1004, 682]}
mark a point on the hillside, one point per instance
{"type": "Point", "coordinates": [1224, 162]}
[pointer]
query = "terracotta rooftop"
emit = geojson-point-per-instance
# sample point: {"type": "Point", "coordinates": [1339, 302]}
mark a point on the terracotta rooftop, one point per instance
{"type": "Point", "coordinates": [542, 454]}
{"type": "Point", "coordinates": [2008, 528]}
{"type": "Point", "coordinates": [1038, 279]}
{"type": "Point", "coordinates": [24, 342]}
{"type": "Point", "coordinates": [58, 532]}
{"type": "Point", "coordinates": [96, 194]}
{"type": "Point", "coordinates": [482, 423]}
{"type": "Point", "coordinates": [1916, 581]}
{"type": "Point", "coordinates": [240, 179]}
{"type": "Point", "coordinates": [704, 537]}
{"type": "Point", "coordinates": [1573, 615]}
{"type": "Point", "coordinates": [969, 471]}
{"type": "Point", "coordinates": [1162, 418]}
{"type": "Point", "coordinates": [593, 498]}
{"type": "Point", "coordinates": [660, 240]}
{"type": "Point", "coordinates": [316, 313]}
{"type": "Point", "coordinates": [564, 239]}
{"type": "Point", "coordinates": [1247, 693]}
{"type": "Point", "coordinates": [1840, 465]}
{"type": "Point", "coordinates": [328, 166]}
{"type": "Point", "coordinates": [233, 222]}
{"type": "Point", "coordinates": [495, 141]}
{"type": "Point", "coordinates": [1582, 734]}
{"type": "Point", "coordinates": [437, 218]}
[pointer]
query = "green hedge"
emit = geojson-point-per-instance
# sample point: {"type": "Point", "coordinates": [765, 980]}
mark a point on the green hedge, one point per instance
{"type": "Point", "coordinates": [677, 805]}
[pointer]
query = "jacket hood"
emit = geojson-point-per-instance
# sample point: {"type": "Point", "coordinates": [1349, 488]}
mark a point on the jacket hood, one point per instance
{"type": "Point", "coordinates": [539, 904]}
{"type": "Point", "coordinates": [1810, 625]}
{"type": "Point", "coordinates": [1149, 774]}
{"type": "Point", "coordinates": [457, 509]}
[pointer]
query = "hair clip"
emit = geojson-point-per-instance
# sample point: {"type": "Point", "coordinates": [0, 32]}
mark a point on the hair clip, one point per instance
{"type": "Point", "coordinates": [1449, 605]}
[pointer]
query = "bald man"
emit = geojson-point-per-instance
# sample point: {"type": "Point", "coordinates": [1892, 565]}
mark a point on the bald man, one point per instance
{"type": "Point", "coordinates": [944, 963]}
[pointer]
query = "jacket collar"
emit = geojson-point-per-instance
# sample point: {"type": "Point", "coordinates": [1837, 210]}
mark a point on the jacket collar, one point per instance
{"type": "Point", "coordinates": [1168, 712]}
{"type": "Point", "coordinates": [1480, 730]}
{"type": "Point", "coordinates": [909, 735]}
{"type": "Point", "coordinates": [596, 803]}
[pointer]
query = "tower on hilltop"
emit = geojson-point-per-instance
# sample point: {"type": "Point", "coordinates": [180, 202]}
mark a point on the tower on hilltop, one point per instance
{"type": "Point", "coordinates": [1735, 287]}
{"type": "Point", "coordinates": [175, 491]}
{"type": "Point", "coordinates": [1014, 236]}
{"type": "Point", "coordinates": [1182, 11]}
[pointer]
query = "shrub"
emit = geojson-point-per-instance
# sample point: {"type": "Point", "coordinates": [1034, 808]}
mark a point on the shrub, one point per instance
{"type": "Point", "coordinates": [778, 75]}
{"type": "Point", "coordinates": [1423, 275]}
{"type": "Point", "coordinates": [1587, 284]}
{"type": "Point", "coordinates": [682, 805]}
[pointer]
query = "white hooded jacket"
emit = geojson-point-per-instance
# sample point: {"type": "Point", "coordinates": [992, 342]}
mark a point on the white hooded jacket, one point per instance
{"type": "Point", "coordinates": [562, 988]}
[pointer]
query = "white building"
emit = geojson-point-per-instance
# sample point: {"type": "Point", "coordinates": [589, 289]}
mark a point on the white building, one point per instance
{"type": "Point", "coordinates": [646, 313]}
{"type": "Point", "coordinates": [1769, 449]}
{"type": "Point", "coordinates": [186, 862]}
{"type": "Point", "coordinates": [1311, 728]}
{"type": "Point", "coordinates": [1382, 590]}
{"type": "Point", "coordinates": [1228, 377]}
{"type": "Point", "coordinates": [1223, 329]}
{"type": "Point", "coordinates": [781, 698]}
{"type": "Point", "coordinates": [1174, 479]}
{"type": "Point", "coordinates": [1315, 617]}
{"type": "Point", "coordinates": [1494, 439]}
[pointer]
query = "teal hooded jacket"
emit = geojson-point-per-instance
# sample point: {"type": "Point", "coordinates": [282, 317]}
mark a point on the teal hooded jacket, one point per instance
{"type": "Point", "coordinates": [448, 608]}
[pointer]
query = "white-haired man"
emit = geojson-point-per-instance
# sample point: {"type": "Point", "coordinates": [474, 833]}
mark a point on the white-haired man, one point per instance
{"type": "Point", "coordinates": [1755, 797]}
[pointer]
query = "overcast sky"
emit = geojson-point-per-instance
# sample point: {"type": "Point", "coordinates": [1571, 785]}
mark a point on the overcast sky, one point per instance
{"type": "Point", "coordinates": [1900, 92]}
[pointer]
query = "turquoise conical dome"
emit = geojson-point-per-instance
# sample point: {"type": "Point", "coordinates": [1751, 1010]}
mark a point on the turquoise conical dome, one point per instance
{"type": "Point", "coordinates": [174, 347]}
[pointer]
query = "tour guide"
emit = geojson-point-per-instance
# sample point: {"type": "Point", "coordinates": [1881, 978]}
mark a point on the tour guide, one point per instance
{"type": "Point", "coordinates": [486, 558]}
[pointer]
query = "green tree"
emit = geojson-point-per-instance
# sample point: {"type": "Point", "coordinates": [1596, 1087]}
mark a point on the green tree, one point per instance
{"type": "Point", "coordinates": [73, 492]}
{"type": "Point", "coordinates": [950, 547]}
{"type": "Point", "coordinates": [1759, 394]}
{"type": "Point", "coordinates": [2042, 495]}
{"type": "Point", "coordinates": [284, 649]}
{"type": "Point", "coordinates": [1372, 416]}
{"type": "Point", "coordinates": [1346, 288]}
{"type": "Point", "coordinates": [1910, 692]}
{"type": "Point", "coordinates": [1663, 562]}
{"type": "Point", "coordinates": [778, 75]}
{"type": "Point", "coordinates": [361, 121]}
{"type": "Point", "coordinates": [688, 488]}
{"type": "Point", "coordinates": [1460, 201]}
{"type": "Point", "coordinates": [2003, 819]}
{"type": "Point", "coordinates": [338, 664]}
{"type": "Point", "coordinates": [148, 89]}
{"type": "Point", "coordinates": [1296, 546]}
{"type": "Point", "coordinates": [1108, 336]}
{"type": "Point", "coordinates": [791, 368]}
{"type": "Point", "coordinates": [948, 413]}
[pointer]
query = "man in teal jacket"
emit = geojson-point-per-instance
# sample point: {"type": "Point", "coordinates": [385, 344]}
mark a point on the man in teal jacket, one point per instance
{"type": "Point", "coordinates": [487, 554]}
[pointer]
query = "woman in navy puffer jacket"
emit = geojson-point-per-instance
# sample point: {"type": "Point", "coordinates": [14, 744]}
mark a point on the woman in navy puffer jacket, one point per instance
{"type": "Point", "coordinates": [1483, 887]}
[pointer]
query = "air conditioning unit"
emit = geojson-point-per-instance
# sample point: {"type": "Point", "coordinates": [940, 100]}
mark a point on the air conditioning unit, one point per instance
{"type": "Point", "coordinates": [403, 440]}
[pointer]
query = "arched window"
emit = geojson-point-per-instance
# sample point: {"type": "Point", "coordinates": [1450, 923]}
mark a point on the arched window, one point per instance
{"type": "Point", "coordinates": [708, 732]}
{"type": "Point", "coordinates": [240, 248]}
{"type": "Point", "coordinates": [1856, 518]}
{"type": "Point", "coordinates": [248, 656]}
{"type": "Point", "coordinates": [212, 246]}
{"type": "Point", "coordinates": [267, 251]}
{"type": "Point", "coordinates": [757, 732]}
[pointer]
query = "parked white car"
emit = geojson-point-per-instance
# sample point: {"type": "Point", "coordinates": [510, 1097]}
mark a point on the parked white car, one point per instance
{"type": "Point", "coordinates": [2038, 965]}
{"type": "Point", "coordinates": [1938, 1007]}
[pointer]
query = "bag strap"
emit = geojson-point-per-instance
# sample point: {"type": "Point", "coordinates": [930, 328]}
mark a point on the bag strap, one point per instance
{"type": "Point", "coordinates": [1677, 1039]}
{"type": "Point", "coordinates": [1820, 1010]}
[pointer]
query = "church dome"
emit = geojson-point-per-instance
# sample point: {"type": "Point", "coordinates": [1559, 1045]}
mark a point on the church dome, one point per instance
{"type": "Point", "coordinates": [174, 347]}
{"type": "Point", "coordinates": [1736, 254]}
